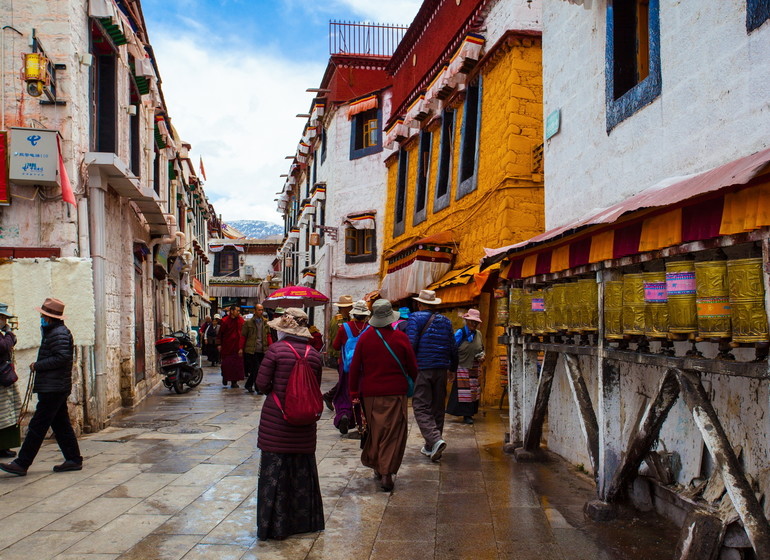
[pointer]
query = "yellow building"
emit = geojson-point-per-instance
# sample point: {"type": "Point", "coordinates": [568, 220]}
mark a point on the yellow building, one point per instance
{"type": "Point", "coordinates": [468, 174]}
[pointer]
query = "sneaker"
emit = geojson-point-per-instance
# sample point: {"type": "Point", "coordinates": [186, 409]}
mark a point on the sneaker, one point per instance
{"type": "Point", "coordinates": [68, 466]}
{"type": "Point", "coordinates": [343, 426]}
{"type": "Point", "coordinates": [438, 449]}
{"type": "Point", "coordinates": [13, 468]}
{"type": "Point", "coordinates": [328, 400]}
{"type": "Point", "coordinates": [425, 451]}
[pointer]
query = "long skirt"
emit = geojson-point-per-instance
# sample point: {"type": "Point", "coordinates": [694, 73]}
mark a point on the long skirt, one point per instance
{"type": "Point", "coordinates": [388, 424]}
{"type": "Point", "coordinates": [466, 393]}
{"type": "Point", "coordinates": [232, 368]}
{"type": "Point", "coordinates": [10, 408]}
{"type": "Point", "coordinates": [288, 495]}
{"type": "Point", "coordinates": [343, 404]}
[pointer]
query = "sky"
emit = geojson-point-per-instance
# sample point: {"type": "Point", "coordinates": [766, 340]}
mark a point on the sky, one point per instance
{"type": "Point", "coordinates": [234, 75]}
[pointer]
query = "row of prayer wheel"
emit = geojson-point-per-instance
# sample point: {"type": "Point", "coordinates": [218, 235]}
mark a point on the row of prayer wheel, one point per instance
{"type": "Point", "coordinates": [705, 300]}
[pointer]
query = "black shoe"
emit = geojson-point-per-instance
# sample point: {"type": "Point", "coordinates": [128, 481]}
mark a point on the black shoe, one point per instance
{"type": "Point", "coordinates": [328, 400]}
{"type": "Point", "coordinates": [224, 383]}
{"type": "Point", "coordinates": [7, 454]}
{"type": "Point", "coordinates": [387, 483]}
{"type": "Point", "coordinates": [249, 389]}
{"type": "Point", "coordinates": [467, 420]}
{"type": "Point", "coordinates": [68, 466]}
{"type": "Point", "coordinates": [13, 468]}
{"type": "Point", "coordinates": [233, 385]}
{"type": "Point", "coordinates": [344, 423]}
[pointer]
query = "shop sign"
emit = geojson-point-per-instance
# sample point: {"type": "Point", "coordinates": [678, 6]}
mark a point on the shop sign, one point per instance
{"type": "Point", "coordinates": [552, 124]}
{"type": "Point", "coordinates": [34, 157]}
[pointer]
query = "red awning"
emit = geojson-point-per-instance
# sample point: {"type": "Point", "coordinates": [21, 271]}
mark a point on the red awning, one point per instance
{"type": "Point", "coordinates": [665, 193]}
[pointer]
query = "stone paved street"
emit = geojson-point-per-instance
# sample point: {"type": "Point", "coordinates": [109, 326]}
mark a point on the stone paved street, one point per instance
{"type": "Point", "coordinates": [176, 478]}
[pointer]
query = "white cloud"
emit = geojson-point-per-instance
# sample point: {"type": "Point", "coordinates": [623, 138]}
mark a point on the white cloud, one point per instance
{"type": "Point", "coordinates": [389, 11]}
{"type": "Point", "coordinates": [236, 108]}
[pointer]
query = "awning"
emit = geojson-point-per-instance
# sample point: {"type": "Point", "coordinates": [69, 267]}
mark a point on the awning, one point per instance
{"type": "Point", "coordinates": [217, 247]}
{"type": "Point", "coordinates": [216, 290]}
{"type": "Point", "coordinates": [461, 285]}
{"type": "Point", "coordinates": [416, 267]}
{"type": "Point", "coordinates": [418, 111]}
{"type": "Point", "coordinates": [318, 192]}
{"type": "Point", "coordinates": [361, 220]}
{"type": "Point", "coordinates": [361, 105]}
{"type": "Point", "coordinates": [676, 210]}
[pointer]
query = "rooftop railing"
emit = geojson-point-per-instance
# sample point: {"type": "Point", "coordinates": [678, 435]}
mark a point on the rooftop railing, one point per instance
{"type": "Point", "coordinates": [370, 39]}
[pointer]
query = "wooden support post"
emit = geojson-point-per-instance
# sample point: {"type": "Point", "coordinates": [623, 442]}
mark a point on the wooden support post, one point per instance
{"type": "Point", "coordinates": [515, 373]}
{"type": "Point", "coordinates": [644, 437]}
{"type": "Point", "coordinates": [528, 388]}
{"type": "Point", "coordinates": [585, 409]}
{"type": "Point", "coordinates": [700, 538]}
{"type": "Point", "coordinates": [745, 502]}
{"type": "Point", "coordinates": [531, 449]}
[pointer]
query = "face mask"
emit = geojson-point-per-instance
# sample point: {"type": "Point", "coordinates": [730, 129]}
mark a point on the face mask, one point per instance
{"type": "Point", "coordinates": [43, 322]}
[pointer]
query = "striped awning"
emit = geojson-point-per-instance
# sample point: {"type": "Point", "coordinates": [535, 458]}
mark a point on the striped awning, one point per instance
{"type": "Point", "coordinates": [361, 105]}
{"type": "Point", "coordinates": [225, 290]}
{"type": "Point", "coordinates": [361, 220]}
{"type": "Point", "coordinates": [418, 266]}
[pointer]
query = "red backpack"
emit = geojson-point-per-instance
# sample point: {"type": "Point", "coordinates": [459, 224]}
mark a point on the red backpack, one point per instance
{"type": "Point", "coordinates": [303, 403]}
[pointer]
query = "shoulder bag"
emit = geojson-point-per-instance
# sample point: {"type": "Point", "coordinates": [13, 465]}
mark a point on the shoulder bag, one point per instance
{"type": "Point", "coordinates": [409, 380]}
{"type": "Point", "coordinates": [7, 374]}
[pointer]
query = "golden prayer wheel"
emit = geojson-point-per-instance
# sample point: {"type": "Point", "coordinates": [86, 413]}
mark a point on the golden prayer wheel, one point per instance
{"type": "Point", "coordinates": [538, 312]}
{"type": "Point", "coordinates": [560, 302]}
{"type": "Point", "coordinates": [527, 321]}
{"type": "Point", "coordinates": [588, 304]}
{"type": "Point", "coordinates": [572, 307]}
{"type": "Point", "coordinates": [655, 305]}
{"type": "Point", "coordinates": [712, 299]}
{"type": "Point", "coordinates": [633, 304]}
{"type": "Point", "coordinates": [680, 287]}
{"type": "Point", "coordinates": [551, 309]}
{"type": "Point", "coordinates": [501, 308]}
{"type": "Point", "coordinates": [514, 306]}
{"type": "Point", "coordinates": [747, 300]}
{"type": "Point", "coordinates": [613, 309]}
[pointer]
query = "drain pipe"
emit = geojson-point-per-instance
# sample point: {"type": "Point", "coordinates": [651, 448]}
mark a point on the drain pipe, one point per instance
{"type": "Point", "coordinates": [97, 224]}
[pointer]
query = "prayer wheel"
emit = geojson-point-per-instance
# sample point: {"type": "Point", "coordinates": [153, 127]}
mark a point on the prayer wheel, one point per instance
{"type": "Point", "coordinates": [633, 304]}
{"type": "Point", "coordinates": [712, 299]}
{"type": "Point", "coordinates": [560, 301]}
{"type": "Point", "coordinates": [514, 306]}
{"type": "Point", "coordinates": [572, 307]}
{"type": "Point", "coordinates": [613, 310]}
{"type": "Point", "coordinates": [655, 305]}
{"type": "Point", "coordinates": [501, 307]}
{"type": "Point", "coordinates": [747, 295]}
{"type": "Point", "coordinates": [527, 321]}
{"type": "Point", "coordinates": [538, 312]}
{"type": "Point", "coordinates": [588, 304]}
{"type": "Point", "coordinates": [550, 310]}
{"type": "Point", "coordinates": [680, 286]}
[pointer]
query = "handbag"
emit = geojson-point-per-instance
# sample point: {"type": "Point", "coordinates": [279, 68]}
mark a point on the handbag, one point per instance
{"type": "Point", "coordinates": [409, 380]}
{"type": "Point", "coordinates": [8, 374]}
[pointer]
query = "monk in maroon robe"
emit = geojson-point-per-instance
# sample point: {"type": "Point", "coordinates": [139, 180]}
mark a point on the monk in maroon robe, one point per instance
{"type": "Point", "coordinates": [230, 343]}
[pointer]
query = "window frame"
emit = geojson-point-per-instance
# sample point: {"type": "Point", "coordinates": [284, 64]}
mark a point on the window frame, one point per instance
{"type": "Point", "coordinates": [399, 206]}
{"type": "Point", "coordinates": [468, 185]}
{"type": "Point", "coordinates": [424, 152]}
{"type": "Point", "coordinates": [445, 160]}
{"type": "Point", "coordinates": [757, 13]}
{"type": "Point", "coordinates": [361, 237]}
{"type": "Point", "coordinates": [644, 92]}
{"type": "Point", "coordinates": [357, 128]}
{"type": "Point", "coordinates": [230, 252]}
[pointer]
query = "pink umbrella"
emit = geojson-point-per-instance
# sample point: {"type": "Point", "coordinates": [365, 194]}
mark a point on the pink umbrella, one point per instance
{"type": "Point", "coordinates": [295, 296]}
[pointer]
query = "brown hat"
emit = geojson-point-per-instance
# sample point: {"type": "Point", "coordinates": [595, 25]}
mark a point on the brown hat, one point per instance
{"type": "Point", "coordinates": [345, 301]}
{"type": "Point", "coordinates": [52, 308]}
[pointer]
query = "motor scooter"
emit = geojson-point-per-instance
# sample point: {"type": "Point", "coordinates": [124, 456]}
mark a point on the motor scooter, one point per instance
{"type": "Point", "coordinates": [179, 361]}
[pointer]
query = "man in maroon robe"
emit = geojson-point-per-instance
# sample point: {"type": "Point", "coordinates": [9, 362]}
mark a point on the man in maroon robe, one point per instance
{"type": "Point", "coordinates": [230, 343]}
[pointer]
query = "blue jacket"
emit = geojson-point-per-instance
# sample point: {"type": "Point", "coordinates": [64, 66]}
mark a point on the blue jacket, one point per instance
{"type": "Point", "coordinates": [436, 349]}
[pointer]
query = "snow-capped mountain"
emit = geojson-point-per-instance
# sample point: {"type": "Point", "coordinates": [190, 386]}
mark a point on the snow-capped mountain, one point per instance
{"type": "Point", "coordinates": [256, 229]}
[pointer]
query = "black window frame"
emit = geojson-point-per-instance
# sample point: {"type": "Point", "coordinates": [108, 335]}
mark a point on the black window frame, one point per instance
{"type": "Point", "coordinates": [424, 150]}
{"type": "Point", "coordinates": [445, 160]}
{"type": "Point", "coordinates": [399, 206]}
{"type": "Point", "coordinates": [357, 132]}
{"type": "Point", "coordinates": [230, 252]}
{"type": "Point", "coordinates": [323, 145]}
{"type": "Point", "coordinates": [469, 141]}
{"type": "Point", "coordinates": [757, 13]}
{"type": "Point", "coordinates": [620, 107]}
{"type": "Point", "coordinates": [362, 255]}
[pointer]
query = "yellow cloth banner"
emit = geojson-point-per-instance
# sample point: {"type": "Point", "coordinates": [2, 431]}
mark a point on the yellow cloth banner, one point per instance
{"type": "Point", "coordinates": [660, 231]}
{"type": "Point", "coordinates": [602, 245]}
{"type": "Point", "coordinates": [746, 210]}
{"type": "Point", "coordinates": [560, 258]}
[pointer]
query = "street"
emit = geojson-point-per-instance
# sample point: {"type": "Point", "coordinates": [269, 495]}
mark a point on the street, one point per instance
{"type": "Point", "coordinates": [176, 478]}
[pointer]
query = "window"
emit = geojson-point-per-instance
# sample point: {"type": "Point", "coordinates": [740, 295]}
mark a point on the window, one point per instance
{"type": "Point", "coordinates": [226, 262]}
{"type": "Point", "coordinates": [323, 145]}
{"type": "Point", "coordinates": [365, 134]}
{"type": "Point", "coordinates": [403, 164]}
{"type": "Point", "coordinates": [106, 103]}
{"type": "Point", "coordinates": [633, 57]}
{"type": "Point", "coordinates": [757, 13]}
{"type": "Point", "coordinates": [443, 177]}
{"type": "Point", "coordinates": [423, 171]}
{"type": "Point", "coordinates": [360, 245]}
{"type": "Point", "coordinates": [469, 143]}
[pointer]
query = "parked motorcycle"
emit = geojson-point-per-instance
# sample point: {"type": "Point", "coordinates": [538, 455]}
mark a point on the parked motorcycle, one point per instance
{"type": "Point", "coordinates": [179, 361]}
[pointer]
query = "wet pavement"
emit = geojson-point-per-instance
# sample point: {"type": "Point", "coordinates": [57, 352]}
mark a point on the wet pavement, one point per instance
{"type": "Point", "coordinates": [176, 478]}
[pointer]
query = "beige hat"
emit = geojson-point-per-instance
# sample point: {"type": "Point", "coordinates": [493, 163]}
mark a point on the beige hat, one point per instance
{"type": "Point", "coordinates": [383, 314]}
{"type": "Point", "coordinates": [293, 322]}
{"type": "Point", "coordinates": [473, 315]}
{"type": "Point", "coordinates": [360, 308]}
{"type": "Point", "coordinates": [217, 317]}
{"type": "Point", "coordinates": [345, 301]}
{"type": "Point", "coordinates": [428, 297]}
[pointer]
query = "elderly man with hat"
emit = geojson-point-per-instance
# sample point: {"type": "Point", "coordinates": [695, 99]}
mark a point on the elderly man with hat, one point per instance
{"type": "Point", "coordinates": [344, 305]}
{"type": "Point", "coordinates": [10, 400]}
{"type": "Point", "coordinates": [434, 344]}
{"type": "Point", "coordinates": [53, 383]}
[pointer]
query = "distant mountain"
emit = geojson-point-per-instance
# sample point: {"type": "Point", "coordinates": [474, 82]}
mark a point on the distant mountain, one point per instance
{"type": "Point", "coordinates": [256, 229]}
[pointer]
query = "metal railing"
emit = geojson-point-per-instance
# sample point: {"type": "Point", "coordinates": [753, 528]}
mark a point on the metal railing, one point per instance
{"type": "Point", "coordinates": [371, 39]}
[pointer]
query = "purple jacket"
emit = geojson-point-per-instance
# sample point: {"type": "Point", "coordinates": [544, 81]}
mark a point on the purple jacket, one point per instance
{"type": "Point", "coordinates": [275, 434]}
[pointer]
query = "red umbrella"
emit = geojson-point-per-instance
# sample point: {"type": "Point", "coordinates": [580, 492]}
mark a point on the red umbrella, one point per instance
{"type": "Point", "coordinates": [295, 296]}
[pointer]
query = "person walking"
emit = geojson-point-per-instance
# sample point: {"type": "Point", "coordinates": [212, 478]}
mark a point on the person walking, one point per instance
{"type": "Point", "coordinates": [10, 400]}
{"type": "Point", "coordinates": [346, 414]}
{"type": "Point", "coordinates": [382, 360]}
{"type": "Point", "coordinates": [344, 305]}
{"type": "Point", "coordinates": [212, 332]}
{"type": "Point", "coordinates": [433, 340]}
{"type": "Point", "coordinates": [230, 345]}
{"type": "Point", "coordinates": [288, 491]}
{"type": "Point", "coordinates": [256, 335]}
{"type": "Point", "coordinates": [403, 315]}
{"type": "Point", "coordinates": [466, 389]}
{"type": "Point", "coordinates": [53, 383]}
{"type": "Point", "coordinates": [318, 340]}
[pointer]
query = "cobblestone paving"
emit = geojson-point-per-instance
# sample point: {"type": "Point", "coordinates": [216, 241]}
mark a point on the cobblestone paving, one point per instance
{"type": "Point", "coordinates": [176, 478]}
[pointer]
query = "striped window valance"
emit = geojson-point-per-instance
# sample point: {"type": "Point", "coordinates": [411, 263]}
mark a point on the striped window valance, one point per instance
{"type": "Point", "coordinates": [362, 104]}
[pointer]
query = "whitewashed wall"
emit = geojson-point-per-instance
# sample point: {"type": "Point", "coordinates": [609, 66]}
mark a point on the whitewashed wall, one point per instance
{"type": "Point", "coordinates": [713, 107]}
